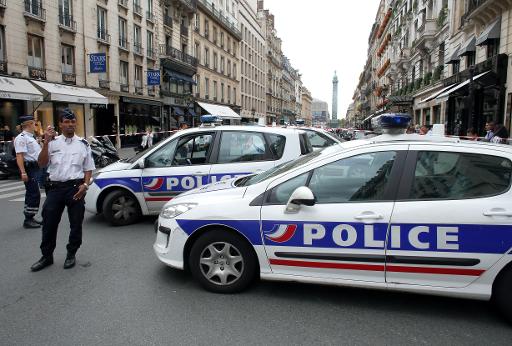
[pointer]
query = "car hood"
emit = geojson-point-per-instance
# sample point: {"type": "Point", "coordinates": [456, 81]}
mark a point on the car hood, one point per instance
{"type": "Point", "coordinates": [116, 166]}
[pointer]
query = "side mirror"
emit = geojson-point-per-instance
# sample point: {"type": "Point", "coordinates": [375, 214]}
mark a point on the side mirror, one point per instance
{"type": "Point", "coordinates": [301, 196]}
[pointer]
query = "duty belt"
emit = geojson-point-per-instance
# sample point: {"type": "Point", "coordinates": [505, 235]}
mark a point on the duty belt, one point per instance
{"type": "Point", "coordinates": [61, 184]}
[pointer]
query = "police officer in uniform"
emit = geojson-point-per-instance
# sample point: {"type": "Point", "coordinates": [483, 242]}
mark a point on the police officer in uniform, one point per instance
{"type": "Point", "coordinates": [27, 152]}
{"type": "Point", "coordinates": [70, 165]}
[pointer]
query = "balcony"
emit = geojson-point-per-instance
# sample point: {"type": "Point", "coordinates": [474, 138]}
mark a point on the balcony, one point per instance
{"type": "Point", "coordinates": [483, 11]}
{"type": "Point", "coordinates": [222, 19]}
{"type": "Point", "coordinates": [150, 17]}
{"type": "Point", "coordinates": [69, 78]}
{"type": "Point", "coordinates": [67, 23]}
{"type": "Point", "coordinates": [168, 21]}
{"type": "Point", "coordinates": [36, 72]}
{"type": "Point", "coordinates": [137, 49]}
{"type": "Point", "coordinates": [427, 32]}
{"type": "Point", "coordinates": [123, 4]}
{"type": "Point", "coordinates": [102, 36]}
{"type": "Point", "coordinates": [137, 10]}
{"type": "Point", "coordinates": [188, 6]}
{"type": "Point", "coordinates": [184, 30]}
{"type": "Point", "coordinates": [496, 64]}
{"type": "Point", "coordinates": [34, 10]}
{"type": "Point", "coordinates": [172, 56]}
{"type": "Point", "coordinates": [124, 44]}
{"type": "Point", "coordinates": [104, 84]}
{"type": "Point", "coordinates": [124, 88]}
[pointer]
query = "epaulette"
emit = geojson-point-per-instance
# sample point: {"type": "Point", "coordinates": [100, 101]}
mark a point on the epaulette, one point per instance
{"type": "Point", "coordinates": [83, 140]}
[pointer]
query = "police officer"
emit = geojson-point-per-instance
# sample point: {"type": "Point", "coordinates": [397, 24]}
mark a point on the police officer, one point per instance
{"type": "Point", "coordinates": [27, 151]}
{"type": "Point", "coordinates": [70, 167]}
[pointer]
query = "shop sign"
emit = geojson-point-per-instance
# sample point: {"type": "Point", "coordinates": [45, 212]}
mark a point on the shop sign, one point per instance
{"type": "Point", "coordinates": [98, 106]}
{"type": "Point", "coordinates": [36, 73]}
{"type": "Point", "coordinates": [153, 77]}
{"type": "Point", "coordinates": [98, 63]}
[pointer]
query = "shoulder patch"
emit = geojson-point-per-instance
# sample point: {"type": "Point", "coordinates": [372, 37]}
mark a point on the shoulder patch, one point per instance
{"type": "Point", "coordinates": [83, 140]}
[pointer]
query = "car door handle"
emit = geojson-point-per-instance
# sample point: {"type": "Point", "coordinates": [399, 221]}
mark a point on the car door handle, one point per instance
{"type": "Point", "coordinates": [497, 212]}
{"type": "Point", "coordinates": [368, 216]}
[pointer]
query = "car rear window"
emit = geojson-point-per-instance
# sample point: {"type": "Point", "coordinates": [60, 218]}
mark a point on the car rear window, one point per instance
{"type": "Point", "coordinates": [449, 175]}
{"type": "Point", "coordinates": [276, 144]}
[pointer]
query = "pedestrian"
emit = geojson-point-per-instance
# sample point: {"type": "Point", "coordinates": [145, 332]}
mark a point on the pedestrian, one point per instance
{"type": "Point", "coordinates": [472, 135]}
{"type": "Point", "coordinates": [423, 129]}
{"type": "Point", "coordinates": [27, 151]}
{"type": "Point", "coordinates": [8, 135]}
{"type": "Point", "coordinates": [149, 135]}
{"type": "Point", "coordinates": [144, 142]}
{"type": "Point", "coordinates": [489, 126]}
{"type": "Point", "coordinates": [70, 165]}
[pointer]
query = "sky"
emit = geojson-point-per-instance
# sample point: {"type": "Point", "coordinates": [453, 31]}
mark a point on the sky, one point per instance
{"type": "Point", "coordinates": [322, 36]}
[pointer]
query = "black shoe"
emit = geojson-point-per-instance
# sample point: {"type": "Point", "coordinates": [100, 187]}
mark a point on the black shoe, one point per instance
{"type": "Point", "coordinates": [69, 262]}
{"type": "Point", "coordinates": [31, 223]}
{"type": "Point", "coordinates": [42, 263]}
{"type": "Point", "coordinates": [38, 221]}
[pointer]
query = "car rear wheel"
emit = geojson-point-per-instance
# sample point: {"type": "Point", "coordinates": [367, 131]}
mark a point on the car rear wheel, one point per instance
{"type": "Point", "coordinates": [121, 208]}
{"type": "Point", "coordinates": [222, 262]}
{"type": "Point", "coordinates": [501, 294]}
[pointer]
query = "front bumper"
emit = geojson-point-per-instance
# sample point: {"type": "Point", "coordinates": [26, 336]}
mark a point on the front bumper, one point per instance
{"type": "Point", "coordinates": [91, 198]}
{"type": "Point", "coordinates": [170, 243]}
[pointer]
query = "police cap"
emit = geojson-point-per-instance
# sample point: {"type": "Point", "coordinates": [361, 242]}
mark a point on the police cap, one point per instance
{"type": "Point", "coordinates": [25, 118]}
{"type": "Point", "coordinates": [67, 113]}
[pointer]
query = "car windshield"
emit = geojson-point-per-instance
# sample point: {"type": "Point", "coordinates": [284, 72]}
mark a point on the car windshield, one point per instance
{"type": "Point", "coordinates": [137, 156]}
{"type": "Point", "coordinates": [282, 168]}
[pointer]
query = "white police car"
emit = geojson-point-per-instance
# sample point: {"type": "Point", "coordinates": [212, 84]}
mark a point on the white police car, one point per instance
{"type": "Point", "coordinates": [188, 159]}
{"type": "Point", "coordinates": [425, 214]}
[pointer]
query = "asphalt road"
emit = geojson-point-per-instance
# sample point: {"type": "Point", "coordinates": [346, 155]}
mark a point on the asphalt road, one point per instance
{"type": "Point", "coordinates": [119, 293]}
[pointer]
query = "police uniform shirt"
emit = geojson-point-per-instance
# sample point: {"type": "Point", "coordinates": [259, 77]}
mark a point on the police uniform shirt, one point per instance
{"type": "Point", "coordinates": [69, 158]}
{"type": "Point", "coordinates": [26, 143]}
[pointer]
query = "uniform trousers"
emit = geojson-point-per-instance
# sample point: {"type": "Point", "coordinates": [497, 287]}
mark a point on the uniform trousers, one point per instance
{"type": "Point", "coordinates": [58, 196]}
{"type": "Point", "coordinates": [32, 193]}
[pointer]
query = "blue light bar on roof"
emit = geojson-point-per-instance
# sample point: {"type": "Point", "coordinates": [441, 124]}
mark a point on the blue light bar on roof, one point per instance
{"type": "Point", "coordinates": [392, 121]}
{"type": "Point", "coordinates": [209, 119]}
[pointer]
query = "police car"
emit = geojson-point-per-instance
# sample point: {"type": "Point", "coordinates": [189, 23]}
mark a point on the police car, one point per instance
{"type": "Point", "coordinates": [188, 159]}
{"type": "Point", "coordinates": [426, 214]}
{"type": "Point", "coordinates": [320, 138]}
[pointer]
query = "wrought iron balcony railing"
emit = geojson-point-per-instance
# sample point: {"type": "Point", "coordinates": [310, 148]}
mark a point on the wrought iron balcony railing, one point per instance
{"type": "Point", "coordinates": [66, 22]}
{"type": "Point", "coordinates": [173, 53]}
{"type": "Point", "coordinates": [34, 9]}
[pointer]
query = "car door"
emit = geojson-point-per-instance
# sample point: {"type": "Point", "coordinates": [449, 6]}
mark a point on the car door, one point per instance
{"type": "Point", "coordinates": [245, 152]}
{"type": "Point", "coordinates": [452, 219]}
{"type": "Point", "coordinates": [180, 165]}
{"type": "Point", "coordinates": [343, 235]}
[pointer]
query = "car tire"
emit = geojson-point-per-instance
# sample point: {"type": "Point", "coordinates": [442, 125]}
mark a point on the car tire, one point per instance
{"type": "Point", "coordinates": [121, 208]}
{"type": "Point", "coordinates": [501, 294]}
{"type": "Point", "coordinates": [222, 262]}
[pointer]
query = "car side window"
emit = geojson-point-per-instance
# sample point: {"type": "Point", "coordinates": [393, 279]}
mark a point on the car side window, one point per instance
{"type": "Point", "coordinates": [449, 175]}
{"type": "Point", "coordinates": [242, 147]}
{"type": "Point", "coordinates": [319, 141]}
{"type": "Point", "coordinates": [193, 150]}
{"type": "Point", "coordinates": [277, 145]}
{"type": "Point", "coordinates": [162, 157]}
{"type": "Point", "coordinates": [360, 178]}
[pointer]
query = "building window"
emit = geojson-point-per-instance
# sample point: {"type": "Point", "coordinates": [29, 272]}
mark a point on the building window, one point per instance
{"type": "Point", "coordinates": [123, 41]}
{"type": "Point", "coordinates": [206, 88]}
{"type": "Point", "coordinates": [123, 73]}
{"type": "Point", "coordinates": [138, 76]}
{"type": "Point", "coordinates": [234, 70]}
{"type": "Point", "coordinates": [65, 12]}
{"type": "Point", "coordinates": [149, 43]}
{"type": "Point", "coordinates": [206, 29]}
{"type": "Point", "coordinates": [215, 35]}
{"type": "Point", "coordinates": [101, 23]}
{"type": "Point", "coordinates": [197, 51]}
{"type": "Point", "coordinates": [150, 6]}
{"type": "Point", "coordinates": [67, 59]}
{"type": "Point", "coordinates": [215, 90]}
{"type": "Point", "coordinates": [136, 36]}
{"type": "Point", "coordinates": [222, 39]}
{"type": "Point", "coordinates": [35, 51]}
{"type": "Point", "coordinates": [215, 61]}
{"type": "Point", "coordinates": [197, 22]}
{"type": "Point", "coordinates": [3, 51]}
{"type": "Point", "coordinates": [222, 92]}
{"type": "Point", "coordinates": [470, 59]}
{"type": "Point", "coordinates": [456, 67]}
{"type": "Point", "coordinates": [229, 68]}
{"type": "Point", "coordinates": [229, 94]}
{"type": "Point", "coordinates": [493, 48]}
{"type": "Point", "coordinates": [206, 56]}
{"type": "Point", "coordinates": [229, 44]}
{"type": "Point", "coordinates": [197, 86]}
{"type": "Point", "coordinates": [234, 95]}
{"type": "Point", "coordinates": [222, 64]}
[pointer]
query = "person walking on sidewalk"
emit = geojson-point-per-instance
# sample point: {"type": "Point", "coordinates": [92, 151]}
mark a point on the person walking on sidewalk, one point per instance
{"type": "Point", "coordinates": [70, 165]}
{"type": "Point", "coordinates": [27, 151]}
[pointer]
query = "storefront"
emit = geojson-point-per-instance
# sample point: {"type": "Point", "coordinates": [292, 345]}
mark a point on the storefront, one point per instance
{"type": "Point", "coordinates": [15, 94]}
{"type": "Point", "coordinates": [58, 97]}
{"type": "Point", "coordinates": [137, 115]}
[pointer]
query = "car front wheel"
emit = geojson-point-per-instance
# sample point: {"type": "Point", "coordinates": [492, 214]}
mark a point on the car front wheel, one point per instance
{"type": "Point", "coordinates": [121, 208]}
{"type": "Point", "coordinates": [501, 294]}
{"type": "Point", "coordinates": [222, 262]}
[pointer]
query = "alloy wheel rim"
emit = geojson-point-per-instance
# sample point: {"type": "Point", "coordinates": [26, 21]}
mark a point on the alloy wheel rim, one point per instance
{"type": "Point", "coordinates": [221, 263]}
{"type": "Point", "coordinates": [123, 208]}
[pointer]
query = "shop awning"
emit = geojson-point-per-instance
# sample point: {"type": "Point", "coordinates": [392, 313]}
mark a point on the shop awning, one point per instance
{"type": "Point", "coordinates": [461, 85]}
{"type": "Point", "coordinates": [468, 47]}
{"type": "Point", "coordinates": [178, 110]}
{"type": "Point", "coordinates": [492, 32]}
{"type": "Point", "coordinates": [433, 96]}
{"type": "Point", "coordinates": [454, 58]}
{"type": "Point", "coordinates": [179, 76]}
{"type": "Point", "coordinates": [19, 89]}
{"type": "Point", "coordinates": [218, 110]}
{"type": "Point", "coordinates": [72, 94]}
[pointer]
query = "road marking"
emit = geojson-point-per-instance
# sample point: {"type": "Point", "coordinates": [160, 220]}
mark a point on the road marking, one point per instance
{"type": "Point", "coordinates": [22, 199]}
{"type": "Point", "coordinates": [12, 194]}
{"type": "Point", "coordinates": [2, 189]}
{"type": "Point", "coordinates": [10, 184]}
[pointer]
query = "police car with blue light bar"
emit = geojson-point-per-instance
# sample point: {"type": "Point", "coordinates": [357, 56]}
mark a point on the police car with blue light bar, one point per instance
{"type": "Point", "coordinates": [425, 214]}
{"type": "Point", "coordinates": [191, 158]}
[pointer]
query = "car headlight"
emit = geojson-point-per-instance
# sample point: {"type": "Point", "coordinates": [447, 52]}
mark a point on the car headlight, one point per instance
{"type": "Point", "coordinates": [173, 210]}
